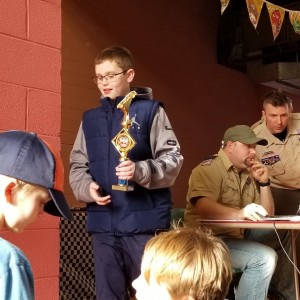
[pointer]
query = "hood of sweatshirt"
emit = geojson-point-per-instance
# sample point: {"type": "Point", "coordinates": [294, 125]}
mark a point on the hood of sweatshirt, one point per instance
{"type": "Point", "coordinates": [143, 92]}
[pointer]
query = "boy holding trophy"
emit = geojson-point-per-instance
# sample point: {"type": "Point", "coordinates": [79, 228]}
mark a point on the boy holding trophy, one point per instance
{"type": "Point", "coordinates": [124, 159]}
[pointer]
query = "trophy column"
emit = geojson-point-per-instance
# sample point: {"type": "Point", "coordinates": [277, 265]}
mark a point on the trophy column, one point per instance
{"type": "Point", "coordinates": [123, 141]}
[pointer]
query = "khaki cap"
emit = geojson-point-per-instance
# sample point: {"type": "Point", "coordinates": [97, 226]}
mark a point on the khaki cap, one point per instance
{"type": "Point", "coordinates": [243, 134]}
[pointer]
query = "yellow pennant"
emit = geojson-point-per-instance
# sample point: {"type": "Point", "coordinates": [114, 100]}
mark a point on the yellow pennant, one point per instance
{"type": "Point", "coordinates": [254, 10]}
{"type": "Point", "coordinates": [224, 4]}
{"type": "Point", "coordinates": [295, 20]}
{"type": "Point", "coordinates": [276, 14]}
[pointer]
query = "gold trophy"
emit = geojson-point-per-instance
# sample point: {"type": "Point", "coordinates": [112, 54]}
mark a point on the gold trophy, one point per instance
{"type": "Point", "coordinates": [123, 141]}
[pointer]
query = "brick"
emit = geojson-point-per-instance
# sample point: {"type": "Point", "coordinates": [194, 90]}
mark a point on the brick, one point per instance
{"type": "Point", "coordinates": [44, 112]}
{"type": "Point", "coordinates": [54, 141]}
{"type": "Point", "coordinates": [13, 107]}
{"type": "Point", "coordinates": [44, 22]}
{"type": "Point", "coordinates": [44, 221]}
{"type": "Point", "coordinates": [47, 288]}
{"type": "Point", "coordinates": [13, 18]}
{"type": "Point", "coordinates": [30, 65]}
{"type": "Point", "coordinates": [54, 2]}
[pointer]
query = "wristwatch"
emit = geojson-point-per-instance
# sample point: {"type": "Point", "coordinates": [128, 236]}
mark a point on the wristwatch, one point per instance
{"type": "Point", "coordinates": [264, 183]}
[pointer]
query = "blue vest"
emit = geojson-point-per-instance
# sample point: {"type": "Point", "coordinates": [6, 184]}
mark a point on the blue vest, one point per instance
{"type": "Point", "coordinates": [138, 211]}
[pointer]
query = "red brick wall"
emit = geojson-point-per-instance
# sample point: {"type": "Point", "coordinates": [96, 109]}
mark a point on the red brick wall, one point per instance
{"type": "Point", "coordinates": [30, 99]}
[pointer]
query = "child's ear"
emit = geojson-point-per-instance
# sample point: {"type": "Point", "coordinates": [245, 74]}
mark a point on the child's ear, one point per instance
{"type": "Point", "coordinates": [130, 73]}
{"type": "Point", "coordinates": [8, 191]}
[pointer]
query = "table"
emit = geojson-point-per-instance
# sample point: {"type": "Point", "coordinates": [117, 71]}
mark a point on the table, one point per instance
{"type": "Point", "coordinates": [292, 226]}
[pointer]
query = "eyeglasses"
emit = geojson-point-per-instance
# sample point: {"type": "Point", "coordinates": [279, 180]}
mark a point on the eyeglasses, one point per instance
{"type": "Point", "coordinates": [109, 78]}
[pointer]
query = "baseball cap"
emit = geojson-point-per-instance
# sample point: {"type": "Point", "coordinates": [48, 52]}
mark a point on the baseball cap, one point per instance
{"type": "Point", "coordinates": [26, 157]}
{"type": "Point", "coordinates": [243, 134]}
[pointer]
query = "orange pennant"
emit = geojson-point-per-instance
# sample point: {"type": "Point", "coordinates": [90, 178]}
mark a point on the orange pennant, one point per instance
{"type": "Point", "coordinates": [276, 14]}
{"type": "Point", "coordinates": [224, 4]}
{"type": "Point", "coordinates": [254, 10]}
{"type": "Point", "coordinates": [295, 20]}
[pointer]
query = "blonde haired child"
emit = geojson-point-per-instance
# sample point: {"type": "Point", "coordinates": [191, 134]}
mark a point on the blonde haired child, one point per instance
{"type": "Point", "coordinates": [184, 264]}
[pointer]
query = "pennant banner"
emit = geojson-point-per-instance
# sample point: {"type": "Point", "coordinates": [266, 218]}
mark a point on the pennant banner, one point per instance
{"type": "Point", "coordinates": [295, 20]}
{"type": "Point", "coordinates": [254, 10]}
{"type": "Point", "coordinates": [224, 4]}
{"type": "Point", "coordinates": [276, 14]}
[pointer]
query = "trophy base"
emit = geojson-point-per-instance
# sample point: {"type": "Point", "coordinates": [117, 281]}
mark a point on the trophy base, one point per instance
{"type": "Point", "coordinates": [124, 188]}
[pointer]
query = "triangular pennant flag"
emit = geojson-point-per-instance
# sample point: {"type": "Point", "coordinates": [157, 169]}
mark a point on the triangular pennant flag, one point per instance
{"type": "Point", "coordinates": [276, 14]}
{"type": "Point", "coordinates": [224, 4]}
{"type": "Point", "coordinates": [295, 20]}
{"type": "Point", "coordinates": [254, 10]}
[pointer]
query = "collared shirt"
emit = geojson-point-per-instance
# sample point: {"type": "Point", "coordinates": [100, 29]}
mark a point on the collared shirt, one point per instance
{"type": "Point", "coordinates": [16, 278]}
{"type": "Point", "coordinates": [282, 158]}
{"type": "Point", "coordinates": [218, 180]}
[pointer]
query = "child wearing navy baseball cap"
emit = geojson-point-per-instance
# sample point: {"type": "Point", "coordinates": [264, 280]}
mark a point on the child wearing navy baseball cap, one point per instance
{"type": "Point", "coordinates": [31, 181]}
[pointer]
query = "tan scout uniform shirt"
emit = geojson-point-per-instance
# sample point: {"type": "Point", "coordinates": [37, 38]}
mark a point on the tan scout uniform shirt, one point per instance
{"type": "Point", "coordinates": [282, 158]}
{"type": "Point", "coordinates": [218, 180]}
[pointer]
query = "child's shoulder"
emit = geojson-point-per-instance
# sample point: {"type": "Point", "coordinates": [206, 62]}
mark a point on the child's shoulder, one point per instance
{"type": "Point", "coordinates": [143, 92]}
{"type": "Point", "coordinates": [91, 110]}
{"type": "Point", "coordinates": [11, 253]}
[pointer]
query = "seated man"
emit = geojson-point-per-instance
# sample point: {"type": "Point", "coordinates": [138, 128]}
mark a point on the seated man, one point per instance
{"type": "Point", "coordinates": [31, 180]}
{"type": "Point", "coordinates": [184, 264]}
{"type": "Point", "coordinates": [233, 185]}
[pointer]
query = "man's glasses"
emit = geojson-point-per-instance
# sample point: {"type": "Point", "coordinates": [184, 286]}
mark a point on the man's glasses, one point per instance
{"type": "Point", "coordinates": [109, 78]}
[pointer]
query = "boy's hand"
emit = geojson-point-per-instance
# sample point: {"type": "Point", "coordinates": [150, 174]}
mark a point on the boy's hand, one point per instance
{"type": "Point", "coordinates": [96, 195]}
{"type": "Point", "coordinates": [125, 170]}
